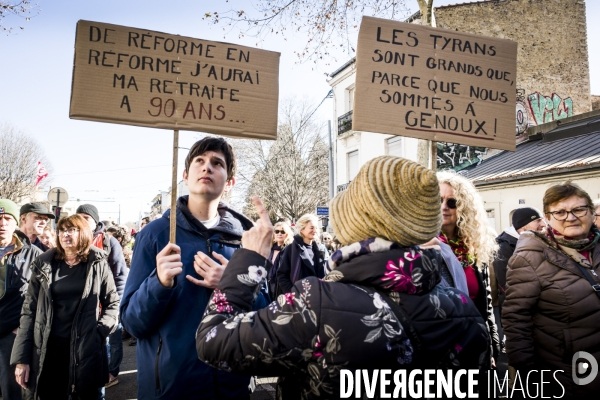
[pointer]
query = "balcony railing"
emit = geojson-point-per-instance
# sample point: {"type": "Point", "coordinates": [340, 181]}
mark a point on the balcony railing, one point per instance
{"type": "Point", "coordinates": [345, 123]}
{"type": "Point", "coordinates": [341, 188]}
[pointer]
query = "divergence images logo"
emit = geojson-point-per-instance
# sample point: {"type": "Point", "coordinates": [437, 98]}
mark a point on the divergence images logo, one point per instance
{"type": "Point", "coordinates": [581, 367]}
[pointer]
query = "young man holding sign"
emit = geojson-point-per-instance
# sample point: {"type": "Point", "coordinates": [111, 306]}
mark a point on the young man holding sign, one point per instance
{"type": "Point", "coordinates": [170, 285]}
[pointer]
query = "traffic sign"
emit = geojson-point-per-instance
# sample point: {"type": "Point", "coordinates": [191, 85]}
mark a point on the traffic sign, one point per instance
{"type": "Point", "coordinates": [322, 210]}
{"type": "Point", "coordinates": [58, 196]}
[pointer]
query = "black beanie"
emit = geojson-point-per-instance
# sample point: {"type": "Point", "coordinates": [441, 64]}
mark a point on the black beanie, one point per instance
{"type": "Point", "coordinates": [90, 210]}
{"type": "Point", "coordinates": [523, 216]}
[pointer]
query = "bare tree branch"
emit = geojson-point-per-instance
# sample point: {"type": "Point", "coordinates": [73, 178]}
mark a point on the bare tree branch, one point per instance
{"type": "Point", "coordinates": [290, 175]}
{"type": "Point", "coordinates": [19, 155]}
{"type": "Point", "coordinates": [327, 24]}
{"type": "Point", "coordinates": [22, 9]}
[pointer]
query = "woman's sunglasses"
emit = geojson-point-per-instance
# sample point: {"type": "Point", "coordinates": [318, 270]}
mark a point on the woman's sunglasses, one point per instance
{"type": "Point", "coordinates": [451, 203]}
{"type": "Point", "coordinates": [277, 232]}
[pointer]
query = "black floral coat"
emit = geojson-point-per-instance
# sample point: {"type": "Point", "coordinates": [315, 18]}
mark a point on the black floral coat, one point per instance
{"type": "Point", "coordinates": [341, 322]}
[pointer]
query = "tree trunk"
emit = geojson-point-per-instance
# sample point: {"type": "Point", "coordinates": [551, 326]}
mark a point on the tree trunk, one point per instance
{"type": "Point", "coordinates": [426, 8]}
{"type": "Point", "coordinates": [423, 152]}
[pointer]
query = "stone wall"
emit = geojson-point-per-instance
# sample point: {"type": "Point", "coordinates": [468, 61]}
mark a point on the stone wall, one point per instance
{"type": "Point", "coordinates": [595, 102]}
{"type": "Point", "coordinates": [553, 79]}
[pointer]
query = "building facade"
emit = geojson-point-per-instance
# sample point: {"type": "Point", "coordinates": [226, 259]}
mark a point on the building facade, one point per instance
{"type": "Point", "coordinates": [549, 154]}
{"type": "Point", "coordinates": [552, 78]}
{"type": "Point", "coordinates": [352, 148]}
{"type": "Point", "coordinates": [162, 201]}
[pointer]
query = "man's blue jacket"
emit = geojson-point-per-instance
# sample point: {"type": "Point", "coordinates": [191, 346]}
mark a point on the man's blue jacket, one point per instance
{"type": "Point", "coordinates": [165, 320]}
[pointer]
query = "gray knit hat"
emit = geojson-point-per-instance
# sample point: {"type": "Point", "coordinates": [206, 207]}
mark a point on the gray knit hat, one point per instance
{"type": "Point", "coordinates": [90, 210]}
{"type": "Point", "coordinates": [392, 198]}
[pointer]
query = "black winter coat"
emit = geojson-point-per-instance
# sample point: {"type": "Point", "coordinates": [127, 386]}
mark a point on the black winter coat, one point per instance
{"type": "Point", "coordinates": [17, 279]}
{"type": "Point", "coordinates": [294, 264]}
{"type": "Point", "coordinates": [507, 245]}
{"type": "Point", "coordinates": [38, 243]}
{"type": "Point", "coordinates": [116, 259]}
{"type": "Point", "coordinates": [272, 278]}
{"type": "Point", "coordinates": [483, 302]}
{"type": "Point", "coordinates": [92, 324]}
{"type": "Point", "coordinates": [341, 322]}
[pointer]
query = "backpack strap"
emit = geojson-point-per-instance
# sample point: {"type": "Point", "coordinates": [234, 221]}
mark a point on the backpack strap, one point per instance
{"type": "Point", "coordinates": [586, 274]}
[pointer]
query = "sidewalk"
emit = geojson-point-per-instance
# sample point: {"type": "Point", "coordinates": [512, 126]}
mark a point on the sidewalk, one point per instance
{"type": "Point", "coordinates": [126, 389]}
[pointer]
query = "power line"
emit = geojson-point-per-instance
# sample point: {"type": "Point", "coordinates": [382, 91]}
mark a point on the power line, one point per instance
{"type": "Point", "coordinates": [111, 170]}
{"type": "Point", "coordinates": [125, 189]}
{"type": "Point", "coordinates": [98, 200]}
{"type": "Point", "coordinates": [283, 148]}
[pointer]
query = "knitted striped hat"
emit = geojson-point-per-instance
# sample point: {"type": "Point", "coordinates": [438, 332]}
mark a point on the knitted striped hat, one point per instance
{"type": "Point", "coordinates": [391, 198]}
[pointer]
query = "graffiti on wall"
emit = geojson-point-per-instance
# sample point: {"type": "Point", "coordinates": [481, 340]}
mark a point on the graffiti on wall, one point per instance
{"type": "Point", "coordinates": [533, 109]}
{"type": "Point", "coordinates": [536, 109]}
{"type": "Point", "coordinates": [523, 120]}
{"type": "Point", "coordinates": [458, 156]}
{"type": "Point", "coordinates": [549, 108]}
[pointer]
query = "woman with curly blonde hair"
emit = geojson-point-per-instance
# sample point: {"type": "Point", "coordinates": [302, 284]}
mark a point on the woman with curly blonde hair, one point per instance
{"type": "Point", "coordinates": [465, 229]}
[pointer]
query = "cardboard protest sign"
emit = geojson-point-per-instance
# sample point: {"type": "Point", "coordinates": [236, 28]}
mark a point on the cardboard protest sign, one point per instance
{"type": "Point", "coordinates": [435, 84]}
{"type": "Point", "coordinates": [145, 78]}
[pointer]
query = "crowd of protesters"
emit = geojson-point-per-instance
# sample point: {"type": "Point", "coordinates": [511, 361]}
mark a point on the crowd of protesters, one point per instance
{"type": "Point", "coordinates": [59, 304]}
{"type": "Point", "coordinates": [410, 275]}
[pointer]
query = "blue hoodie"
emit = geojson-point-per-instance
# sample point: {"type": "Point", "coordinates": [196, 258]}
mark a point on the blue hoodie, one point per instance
{"type": "Point", "coordinates": [165, 320]}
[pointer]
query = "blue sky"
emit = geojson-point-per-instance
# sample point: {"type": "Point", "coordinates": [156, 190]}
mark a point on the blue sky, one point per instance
{"type": "Point", "coordinates": [36, 66]}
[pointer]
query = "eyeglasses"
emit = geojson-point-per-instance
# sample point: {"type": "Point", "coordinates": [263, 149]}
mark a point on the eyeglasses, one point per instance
{"type": "Point", "coordinates": [562, 215]}
{"type": "Point", "coordinates": [70, 231]}
{"type": "Point", "coordinates": [278, 232]}
{"type": "Point", "coordinates": [451, 203]}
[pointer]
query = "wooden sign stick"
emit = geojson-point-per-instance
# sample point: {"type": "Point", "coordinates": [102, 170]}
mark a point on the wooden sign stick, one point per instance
{"type": "Point", "coordinates": [173, 216]}
{"type": "Point", "coordinates": [433, 156]}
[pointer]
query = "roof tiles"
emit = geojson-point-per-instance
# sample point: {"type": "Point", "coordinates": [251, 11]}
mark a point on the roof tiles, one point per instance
{"type": "Point", "coordinates": [542, 157]}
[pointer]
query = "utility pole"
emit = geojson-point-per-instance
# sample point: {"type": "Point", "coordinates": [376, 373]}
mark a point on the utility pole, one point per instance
{"type": "Point", "coordinates": [331, 188]}
{"type": "Point", "coordinates": [427, 149]}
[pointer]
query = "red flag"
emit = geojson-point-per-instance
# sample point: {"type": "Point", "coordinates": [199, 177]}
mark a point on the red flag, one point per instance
{"type": "Point", "coordinates": [41, 173]}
